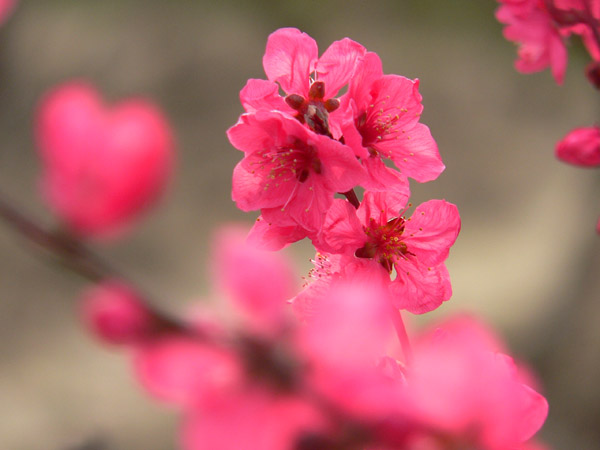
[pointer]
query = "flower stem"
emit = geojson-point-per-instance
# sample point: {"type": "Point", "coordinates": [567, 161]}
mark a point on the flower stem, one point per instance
{"type": "Point", "coordinates": [402, 335]}
{"type": "Point", "coordinates": [74, 255]}
{"type": "Point", "coordinates": [352, 198]}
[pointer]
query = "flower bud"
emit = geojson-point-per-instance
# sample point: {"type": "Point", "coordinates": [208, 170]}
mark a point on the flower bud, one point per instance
{"type": "Point", "coordinates": [116, 314]}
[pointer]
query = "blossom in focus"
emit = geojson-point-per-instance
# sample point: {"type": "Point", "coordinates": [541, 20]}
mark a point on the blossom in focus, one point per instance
{"type": "Point", "coordinates": [289, 172]}
{"type": "Point", "coordinates": [384, 124]}
{"type": "Point", "coordinates": [378, 241]}
{"type": "Point", "coordinates": [291, 61]}
{"type": "Point", "coordinates": [6, 9]}
{"type": "Point", "coordinates": [102, 165]}
{"type": "Point", "coordinates": [580, 147]}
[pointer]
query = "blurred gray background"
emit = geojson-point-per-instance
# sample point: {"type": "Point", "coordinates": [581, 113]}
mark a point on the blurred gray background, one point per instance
{"type": "Point", "coordinates": [527, 260]}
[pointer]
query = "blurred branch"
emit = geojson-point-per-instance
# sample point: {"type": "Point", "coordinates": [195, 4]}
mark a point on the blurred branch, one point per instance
{"type": "Point", "coordinates": [74, 255]}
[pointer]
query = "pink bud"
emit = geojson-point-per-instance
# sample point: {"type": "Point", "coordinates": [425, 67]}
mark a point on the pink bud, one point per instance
{"type": "Point", "coordinates": [102, 166]}
{"type": "Point", "coordinates": [115, 313]}
{"type": "Point", "coordinates": [581, 147]}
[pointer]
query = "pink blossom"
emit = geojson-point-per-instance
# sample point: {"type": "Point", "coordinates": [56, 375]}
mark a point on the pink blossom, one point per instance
{"type": "Point", "coordinates": [6, 9]}
{"type": "Point", "coordinates": [186, 372]}
{"type": "Point", "coordinates": [347, 334]}
{"type": "Point", "coordinates": [530, 25]}
{"type": "Point", "coordinates": [384, 124]}
{"type": "Point", "coordinates": [292, 62]}
{"type": "Point", "coordinates": [460, 384]}
{"type": "Point", "coordinates": [102, 166]}
{"type": "Point", "coordinates": [253, 419]}
{"type": "Point", "coordinates": [289, 172]}
{"type": "Point", "coordinates": [258, 282]}
{"type": "Point", "coordinates": [115, 313]}
{"type": "Point", "coordinates": [378, 239]}
{"type": "Point", "coordinates": [580, 147]}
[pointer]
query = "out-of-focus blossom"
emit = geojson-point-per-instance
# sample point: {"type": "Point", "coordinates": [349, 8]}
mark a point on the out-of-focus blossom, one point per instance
{"type": "Point", "coordinates": [540, 28]}
{"type": "Point", "coordinates": [472, 395]}
{"type": "Point", "coordinates": [580, 147]}
{"type": "Point", "coordinates": [115, 313]}
{"type": "Point", "coordinates": [102, 166]}
{"type": "Point", "coordinates": [6, 9]}
{"type": "Point", "coordinates": [258, 282]}
{"type": "Point", "coordinates": [541, 45]}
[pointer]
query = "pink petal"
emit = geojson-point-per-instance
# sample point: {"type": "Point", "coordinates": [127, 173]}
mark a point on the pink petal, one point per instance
{"type": "Point", "coordinates": [369, 70]}
{"type": "Point", "coordinates": [382, 178]}
{"type": "Point", "coordinates": [289, 59]}
{"type": "Point", "coordinates": [420, 289]}
{"type": "Point", "coordinates": [252, 419]}
{"type": "Point", "coordinates": [270, 236]}
{"type": "Point", "coordinates": [183, 371]}
{"type": "Point", "coordinates": [258, 282]}
{"type": "Point", "coordinates": [432, 230]}
{"type": "Point", "coordinates": [338, 64]}
{"type": "Point", "coordinates": [342, 230]}
{"type": "Point", "coordinates": [381, 206]}
{"type": "Point", "coordinates": [416, 154]}
{"type": "Point", "coordinates": [263, 94]}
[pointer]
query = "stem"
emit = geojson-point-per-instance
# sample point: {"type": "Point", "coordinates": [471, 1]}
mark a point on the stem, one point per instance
{"type": "Point", "coordinates": [352, 198]}
{"type": "Point", "coordinates": [74, 255]}
{"type": "Point", "coordinates": [402, 335]}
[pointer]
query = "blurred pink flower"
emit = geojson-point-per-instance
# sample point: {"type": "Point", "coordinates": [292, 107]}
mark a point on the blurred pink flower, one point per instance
{"type": "Point", "coordinates": [580, 147]}
{"type": "Point", "coordinates": [102, 166]}
{"type": "Point", "coordinates": [461, 385]}
{"type": "Point", "coordinates": [6, 9]}
{"type": "Point", "coordinates": [530, 25]}
{"type": "Point", "coordinates": [115, 313]}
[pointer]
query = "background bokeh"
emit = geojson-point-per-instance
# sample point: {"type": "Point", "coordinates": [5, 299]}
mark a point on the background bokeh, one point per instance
{"type": "Point", "coordinates": [527, 260]}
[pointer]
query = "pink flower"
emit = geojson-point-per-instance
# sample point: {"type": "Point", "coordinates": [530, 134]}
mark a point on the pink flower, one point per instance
{"type": "Point", "coordinates": [6, 9]}
{"type": "Point", "coordinates": [257, 282]}
{"type": "Point", "coordinates": [311, 83]}
{"type": "Point", "coordinates": [253, 419]}
{"type": "Point", "coordinates": [289, 172]}
{"type": "Point", "coordinates": [529, 24]}
{"type": "Point", "coordinates": [384, 124]}
{"type": "Point", "coordinates": [460, 385]}
{"type": "Point", "coordinates": [580, 147]}
{"type": "Point", "coordinates": [378, 239]}
{"type": "Point", "coordinates": [102, 166]}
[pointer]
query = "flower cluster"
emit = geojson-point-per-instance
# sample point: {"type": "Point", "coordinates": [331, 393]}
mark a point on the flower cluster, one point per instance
{"type": "Point", "coordinates": [303, 148]}
{"type": "Point", "coordinates": [327, 372]}
{"type": "Point", "coordinates": [335, 382]}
